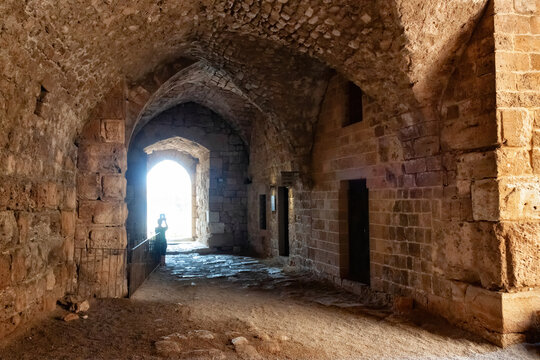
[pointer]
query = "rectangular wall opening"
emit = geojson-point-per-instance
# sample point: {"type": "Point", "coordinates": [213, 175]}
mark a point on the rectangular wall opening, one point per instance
{"type": "Point", "coordinates": [262, 212]}
{"type": "Point", "coordinates": [355, 106]}
{"type": "Point", "coordinates": [358, 224]}
{"type": "Point", "coordinates": [283, 220]}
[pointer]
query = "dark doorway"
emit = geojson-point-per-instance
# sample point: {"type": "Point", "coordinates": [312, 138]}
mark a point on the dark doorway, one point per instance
{"type": "Point", "coordinates": [358, 231]}
{"type": "Point", "coordinates": [283, 220]}
{"type": "Point", "coordinates": [262, 212]}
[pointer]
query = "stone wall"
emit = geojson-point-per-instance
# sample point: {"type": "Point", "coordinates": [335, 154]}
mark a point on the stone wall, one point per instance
{"type": "Point", "coordinates": [491, 189]}
{"type": "Point", "coordinates": [517, 60]}
{"type": "Point", "coordinates": [366, 150]}
{"type": "Point", "coordinates": [469, 258]}
{"type": "Point", "coordinates": [101, 209]}
{"type": "Point", "coordinates": [454, 189]}
{"type": "Point", "coordinates": [269, 156]}
{"type": "Point", "coordinates": [517, 48]}
{"type": "Point", "coordinates": [228, 160]}
{"type": "Point", "coordinates": [37, 218]}
{"type": "Point", "coordinates": [452, 194]}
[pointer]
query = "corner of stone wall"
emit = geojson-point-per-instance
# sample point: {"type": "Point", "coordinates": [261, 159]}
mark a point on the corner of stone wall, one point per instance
{"type": "Point", "coordinates": [489, 259]}
{"type": "Point", "coordinates": [517, 62]}
{"type": "Point", "coordinates": [101, 240]}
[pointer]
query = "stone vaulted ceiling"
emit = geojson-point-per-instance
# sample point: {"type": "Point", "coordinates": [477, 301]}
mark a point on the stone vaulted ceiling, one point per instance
{"type": "Point", "coordinates": [207, 86]}
{"type": "Point", "coordinates": [274, 55]}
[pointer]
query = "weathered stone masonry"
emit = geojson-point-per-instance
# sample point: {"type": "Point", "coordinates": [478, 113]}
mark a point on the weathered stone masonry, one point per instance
{"type": "Point", "coordinates": [449, 143]}
{"type": "Point", "coordinates": [102, 211]}
{"type": "Point", "coordinates": [434, 200]}
{"type": "Point", "coordinates": [225, 188]}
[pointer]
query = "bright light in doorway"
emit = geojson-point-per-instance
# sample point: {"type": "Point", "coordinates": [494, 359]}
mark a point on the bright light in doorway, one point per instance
{"type": "Point", "coordinates": [169, 192]}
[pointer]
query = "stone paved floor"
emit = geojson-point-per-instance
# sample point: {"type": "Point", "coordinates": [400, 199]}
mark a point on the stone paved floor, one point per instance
{"type": "Point", "coordinates": [327, 322]}
{"type": "Point", "coordinates": [215, 306]}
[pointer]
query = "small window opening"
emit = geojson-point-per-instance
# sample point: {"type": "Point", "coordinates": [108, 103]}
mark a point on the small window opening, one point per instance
{"type": "Point", "coordinates": [262, 212]}
{"type": "Point", "coordinates": [40, 100]}
{"type": "Point", "coordinates": [355, 106]}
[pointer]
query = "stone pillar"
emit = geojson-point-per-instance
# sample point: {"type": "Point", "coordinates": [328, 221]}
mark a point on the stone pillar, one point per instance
{"type": "Point", "coordinates": [101, 188]}
{"type": "Point", "coordinates": [488, 253]}
{"type": "Point", "coordinates": [517, 62]}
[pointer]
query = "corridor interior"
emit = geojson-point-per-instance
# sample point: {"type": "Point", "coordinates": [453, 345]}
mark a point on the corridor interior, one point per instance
{"type": "Point", "coordinates": [362, 179]}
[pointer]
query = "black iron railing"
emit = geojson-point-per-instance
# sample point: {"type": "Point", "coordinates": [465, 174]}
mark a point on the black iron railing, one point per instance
{"type": "Point", "coordinates": [100, 272]}
{"type": "Point", "coordinates": [143, 259]}
{"type": "Point", "coordinates": [106, 273]}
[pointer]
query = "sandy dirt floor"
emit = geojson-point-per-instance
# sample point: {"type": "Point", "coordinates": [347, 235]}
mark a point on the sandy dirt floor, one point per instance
{"type": "Point", "coordinates": [196, 305]}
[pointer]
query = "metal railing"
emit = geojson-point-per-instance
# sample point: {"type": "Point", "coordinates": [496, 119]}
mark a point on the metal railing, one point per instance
{"type": "Point", "coordinates": [100, 272]}
{"type": "Point", "coordinates": [106, 273]}
{"type": "Point", "coordinates": [143, 259]}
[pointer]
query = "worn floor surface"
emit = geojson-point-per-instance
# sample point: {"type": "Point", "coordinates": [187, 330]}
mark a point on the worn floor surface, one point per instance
{"type": "Point", "coordinates": [197, 304]}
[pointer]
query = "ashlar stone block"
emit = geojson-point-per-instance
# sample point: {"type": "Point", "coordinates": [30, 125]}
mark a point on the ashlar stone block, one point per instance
{"type": "Point", "coordinates": [513, 161]}
{"type": "Point", "coordinates": [109, 213]}
{"type": "Point", "coordinates": [8, 229]}
{"type": "Point", "coordinates": [520, 199]}
{"type": "Point", "coordinates": [518, 310]}
{"type": "Point", "coordinates": [5, 266]}
{"type": "Point", "coordinates": [108, 237]}
{"type": "Point", "coordinates": [114, 186]}
{"type": "Point", "coordinates": [516, 127]}
{"type": "Point", "coordinates": [525, 6]}
{"type": "Point", "coordinates": [68, 223]}
{"type": "Point", "coordinates": [102, 212]}
{"type": "Point", "coordinates": [536, 160]}
{"type": "Point", "coordinates": [112, 131]}
{"type": "Point", "coordinates": [88, 186]}
{"type": "Point", "coordinates": [476, 166]}
{"type": "Point", "coordinates": [47, 195]}
{"type": "Point", "coordinates": [217, 228]}
{"type": "Point", "coordinates": [485, 200]}
{"type": "Point", "coordinates": [18, 266]}
{"type": "Point", "coordinates": [103, 158]}
{"type": "Point", "coordinates": [524, 255]}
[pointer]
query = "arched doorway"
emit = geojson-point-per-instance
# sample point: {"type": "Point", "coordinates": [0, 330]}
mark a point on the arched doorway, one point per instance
{"type": "Point", "coordinates": [169, 192]}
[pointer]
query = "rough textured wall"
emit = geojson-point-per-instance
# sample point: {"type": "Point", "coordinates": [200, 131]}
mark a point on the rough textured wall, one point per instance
{"type": "Point", "coordinates": [268, 157]}
{"type": "Point", "coordinates": [58, 59]}
{"type": "Point", "coordinates": [468, 256]}
{"type": "Point", "coordinates": [434, 196]}
{"type": "Point", "coordinates": [517, 60]}
{"type": "Point", "coordinates": [101, 207]}
{"type": "Point", "coordinates": [366, 150]}
{"type": "Point", "coordinates": [517, 47]}
{"type": "Point", "coordinates": [227, 200]}
{"type": "Point", "coordinates": [37, 218]}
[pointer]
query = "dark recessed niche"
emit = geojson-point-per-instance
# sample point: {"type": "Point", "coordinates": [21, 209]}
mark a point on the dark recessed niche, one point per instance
{"type": "Point", "coordinates": [262, 212]}
{"type": "Point", "coordinates": [355, 107]}
{"type": "Point", "coordinates": [40, 101]}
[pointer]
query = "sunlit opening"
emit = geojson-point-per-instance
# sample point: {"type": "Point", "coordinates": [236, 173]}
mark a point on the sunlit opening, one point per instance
{"type": "Point", "coordinates": [169, 193]}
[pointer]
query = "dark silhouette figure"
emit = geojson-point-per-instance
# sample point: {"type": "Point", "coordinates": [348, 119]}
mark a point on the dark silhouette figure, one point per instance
{"type": "Point", "coordinates": [161, 240]}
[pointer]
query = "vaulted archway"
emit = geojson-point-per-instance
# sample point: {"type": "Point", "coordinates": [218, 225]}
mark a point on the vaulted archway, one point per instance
{"type": "Point", "coordinates": [447, 142]}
